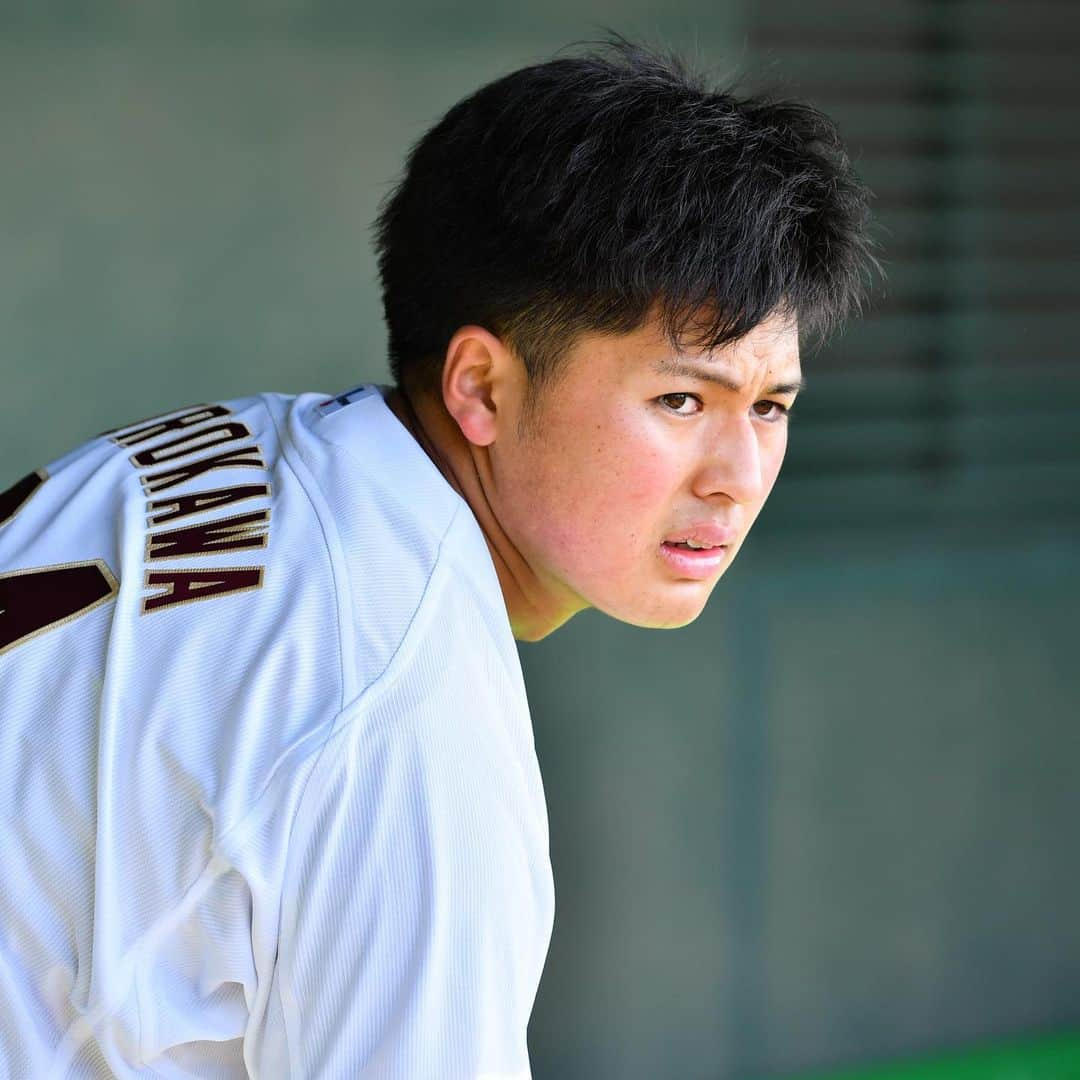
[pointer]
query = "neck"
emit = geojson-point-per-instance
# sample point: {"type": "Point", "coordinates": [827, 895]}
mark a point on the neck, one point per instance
{"type": "Point", "coordinates": [532, 609]}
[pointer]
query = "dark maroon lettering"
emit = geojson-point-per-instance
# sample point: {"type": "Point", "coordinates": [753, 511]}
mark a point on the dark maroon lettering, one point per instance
{"type": "Point", "coordinates": [237, 533]}
{"type": "Point", "coordinates": [192, 443]}
{"type": "Point", "coordinates": [243, 457]}
{"type": "Point", "coordinates": [187, 586]}
{"type": "Point", "coordinates": [188, 505]}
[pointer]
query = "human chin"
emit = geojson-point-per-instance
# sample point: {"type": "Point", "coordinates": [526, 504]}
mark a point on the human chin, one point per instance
{"type": "Point", "coordinates": [669, 607]}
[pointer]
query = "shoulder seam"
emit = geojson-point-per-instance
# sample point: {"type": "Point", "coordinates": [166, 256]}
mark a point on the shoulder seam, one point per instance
{"type": "Point", "coordinates": [385, 678]}
{"type": "Point", "coordinates": [288, 450]}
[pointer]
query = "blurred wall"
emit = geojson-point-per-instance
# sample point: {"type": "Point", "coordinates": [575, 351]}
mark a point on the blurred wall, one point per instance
{"type": "Point", "coordinates": [830, 822]}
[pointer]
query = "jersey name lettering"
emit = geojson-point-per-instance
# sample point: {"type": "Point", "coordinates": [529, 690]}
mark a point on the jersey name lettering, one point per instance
{"type": "Point", "coordinates": [181, 506]}
{"type": "Point", "coordinates": [38, 599]}
{"type": "Point", "coordinates": [243, 457]}
{"type": "Point", "coordinates": [222, 534]}
{"type": "Point", "coordinates": [202, 439]}
{"type": "Point", "coordinates": [197, 431]}
{"type": "Point", "coordinates": [185, 586]}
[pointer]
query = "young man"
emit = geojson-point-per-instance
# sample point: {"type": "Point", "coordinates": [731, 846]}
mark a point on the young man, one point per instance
{"type": "Point", "coordinates": [269, 796]}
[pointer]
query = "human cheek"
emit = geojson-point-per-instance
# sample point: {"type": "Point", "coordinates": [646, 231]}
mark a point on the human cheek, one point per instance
{"type": "Point", "coordinates": [632, 483]}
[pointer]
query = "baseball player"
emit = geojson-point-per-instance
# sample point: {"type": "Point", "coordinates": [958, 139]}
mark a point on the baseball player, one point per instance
{"type": "Point", "coordinates": [269, 799]}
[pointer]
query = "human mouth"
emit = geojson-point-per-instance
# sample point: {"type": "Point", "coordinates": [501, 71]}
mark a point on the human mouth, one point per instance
{"type": "Point", "coordinates": [697, 551]}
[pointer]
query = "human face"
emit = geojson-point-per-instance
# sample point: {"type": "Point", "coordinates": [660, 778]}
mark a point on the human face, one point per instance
{"type": "Point", "coordinates": [635, 448]}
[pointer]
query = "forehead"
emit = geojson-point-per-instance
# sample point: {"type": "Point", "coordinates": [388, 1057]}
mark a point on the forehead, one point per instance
{"type": "Point", "coordinates": [770, 349]}
{"type": "Point", "coordinates": [785, 379]}
{"type": "Point", "coordinates": [769, 352]}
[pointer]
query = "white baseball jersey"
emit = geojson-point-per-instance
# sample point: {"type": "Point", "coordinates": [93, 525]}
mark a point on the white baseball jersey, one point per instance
{"type": "Point", "coordinates": [269, 800]}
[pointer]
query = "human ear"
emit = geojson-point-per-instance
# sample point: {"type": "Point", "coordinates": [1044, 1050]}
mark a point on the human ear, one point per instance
{"type": "Point", "coordinates": [474, 375]}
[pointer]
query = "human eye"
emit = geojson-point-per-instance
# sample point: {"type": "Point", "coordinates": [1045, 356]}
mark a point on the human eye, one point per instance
{"type": "Point", "coordinates": [680, 401]}
{"type": "Point", "coordinates": [781, 411]}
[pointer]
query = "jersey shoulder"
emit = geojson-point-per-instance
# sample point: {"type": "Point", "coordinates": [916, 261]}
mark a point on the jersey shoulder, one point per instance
{"type": "Point", "coordinates": [265, 558]}
{"type": "Point", "coordinates": [396, 522]}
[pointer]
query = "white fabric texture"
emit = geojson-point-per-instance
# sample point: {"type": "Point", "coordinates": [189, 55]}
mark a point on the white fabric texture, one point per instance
{"type": "Point", "coordinates": [269, 799]}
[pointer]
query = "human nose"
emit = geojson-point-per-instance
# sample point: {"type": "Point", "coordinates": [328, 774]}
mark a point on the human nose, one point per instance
{"type": "Point", "coordinates": [732, 464]}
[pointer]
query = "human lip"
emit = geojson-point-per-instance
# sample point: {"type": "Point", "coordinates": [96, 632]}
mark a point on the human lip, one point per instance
{"type": "Point", "coordinates": [704, 532]}
{"type": "Point", "coordinates": [693, 564]}
{"type": "Point", "coordinates": [698, 563]}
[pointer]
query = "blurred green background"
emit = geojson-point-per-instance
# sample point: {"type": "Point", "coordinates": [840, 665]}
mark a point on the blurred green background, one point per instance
{"type": "Point", "coordinates": [833, 823]}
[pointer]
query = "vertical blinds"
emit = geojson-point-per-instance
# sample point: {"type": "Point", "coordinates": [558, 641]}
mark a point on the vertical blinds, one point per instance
{"type": "Point", "coordinates": [956, 398]}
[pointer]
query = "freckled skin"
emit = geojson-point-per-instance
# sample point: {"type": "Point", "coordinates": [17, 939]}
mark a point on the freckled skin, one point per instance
{"type": "Point", "coordinates": [575, 512]}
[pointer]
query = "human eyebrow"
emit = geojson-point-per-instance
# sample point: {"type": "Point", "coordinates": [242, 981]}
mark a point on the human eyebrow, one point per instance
{"type": "Point", "coordinates": [666, 366]}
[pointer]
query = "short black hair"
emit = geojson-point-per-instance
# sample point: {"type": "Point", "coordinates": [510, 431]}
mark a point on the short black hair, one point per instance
{"type": "Point", "coordinates": [579, 193]}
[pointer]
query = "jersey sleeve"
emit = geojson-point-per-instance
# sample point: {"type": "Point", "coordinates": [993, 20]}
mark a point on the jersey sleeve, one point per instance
{"type": "Point", "coordinates": [415, 919]}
